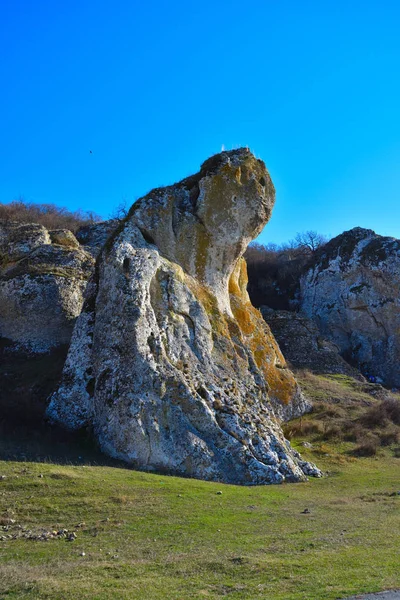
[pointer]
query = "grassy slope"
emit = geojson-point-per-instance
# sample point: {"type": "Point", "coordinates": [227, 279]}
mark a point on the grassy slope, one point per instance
{"type": "Point", "coordinates": [150, 536]}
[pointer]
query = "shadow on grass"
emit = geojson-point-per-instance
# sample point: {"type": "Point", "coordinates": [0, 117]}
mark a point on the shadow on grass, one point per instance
{"type": "Point", "coordinates": [42, 442]}
{"type": "Point", "coordinates": [26, 382]}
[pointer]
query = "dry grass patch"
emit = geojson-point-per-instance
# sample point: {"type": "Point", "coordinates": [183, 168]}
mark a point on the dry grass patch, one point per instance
{"type": "Point", "coordinates": [357, 417]}
{"type": "Point", "coordinates": [367, 448]}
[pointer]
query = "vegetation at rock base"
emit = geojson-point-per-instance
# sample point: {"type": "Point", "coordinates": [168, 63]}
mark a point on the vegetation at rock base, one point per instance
{"type": "Point", "coordinates": [149, 536]}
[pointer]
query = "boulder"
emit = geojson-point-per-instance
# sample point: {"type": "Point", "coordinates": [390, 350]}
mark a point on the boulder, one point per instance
{"type": "Point", "coordinates": [170, 364]}
{"type": "Point", "coordinates": [18, 239]}
{"type": "Point", "coordinates": [63, 237]}
{"type": "Point", "coordinates": [352, 292]}
{"type": "Point", "coordinates": [41, 286]}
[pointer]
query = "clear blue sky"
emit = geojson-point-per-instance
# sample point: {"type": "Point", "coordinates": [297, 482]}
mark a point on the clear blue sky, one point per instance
{"type": "Point", "coordinates": [153, 89]}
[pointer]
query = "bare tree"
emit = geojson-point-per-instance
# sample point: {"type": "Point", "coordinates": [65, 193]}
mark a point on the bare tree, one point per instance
{"type": "Point", "coordinates": [275, 270]}
{"type": "Point", "coordinates": [120, 212]}
{"type": "Point", "coordinates": [310, 241]}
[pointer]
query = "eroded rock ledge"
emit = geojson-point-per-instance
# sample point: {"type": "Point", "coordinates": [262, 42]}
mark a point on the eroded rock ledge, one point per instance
{"type": "Point", "coordinates": [169, 362]}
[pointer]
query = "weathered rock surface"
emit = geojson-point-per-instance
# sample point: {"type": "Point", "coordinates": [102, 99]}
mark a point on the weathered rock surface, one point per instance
{"type": "Point", "coordinates": [43, 276]}
{"type": "Point", "coordinates": [352, 292]}
{"type": "Point", "coordinates": [18, 239]}
{"type": "Point", "coordinates": [63, 237]}
{"type": "Point", "coordinates": [93, 237]}
{"type": "Point", "coordinates": [302, 344]}
{"type": "Point", "coordinates": [169, 362]}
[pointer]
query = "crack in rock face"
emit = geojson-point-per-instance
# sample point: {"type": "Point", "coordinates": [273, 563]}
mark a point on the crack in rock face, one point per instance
{"type": "Point", "coordinates": [170, 364]}
{"type": "Point", "coordinates": [352, 292]}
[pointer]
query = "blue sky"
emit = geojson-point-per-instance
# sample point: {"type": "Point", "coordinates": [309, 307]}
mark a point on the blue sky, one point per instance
{"type": "Point", "coordinates": [153, 89]}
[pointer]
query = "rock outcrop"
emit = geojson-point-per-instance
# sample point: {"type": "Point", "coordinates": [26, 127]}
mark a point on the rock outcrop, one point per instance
{"type": "Point", "coordinates": [303, 346]}
{"type": "Point", "coordinates": [43, 275]}
{"type": "Point", "coordinates": [18, 239]}
{"type": "Point", "coordinates": [169, 362]}
{"type": "Point", "coordinates": [352, 292]}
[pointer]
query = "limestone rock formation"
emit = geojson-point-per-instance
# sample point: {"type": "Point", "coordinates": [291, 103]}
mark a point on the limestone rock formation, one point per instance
{"type": "Point", "coordinates": [43, 276]}
{"type": "Point", "coordinates": [352, 292]}
{"type": "Point", "coordinates": [302, 344]}
{"type": "Point", "coordinates": [169, 362]}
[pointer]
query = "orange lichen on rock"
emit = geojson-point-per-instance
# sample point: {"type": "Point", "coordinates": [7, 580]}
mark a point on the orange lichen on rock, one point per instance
{"type": "Point", "coordinates": [247, 329]}
{"type": "Point", "coordinates": [259, 338]}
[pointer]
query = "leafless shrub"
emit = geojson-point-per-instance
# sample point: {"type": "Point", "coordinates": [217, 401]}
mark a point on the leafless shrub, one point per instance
{"type": "Point", "coordinates": [332, 432]}
{"type": "Point", "coordinates": [389, 436]}
{"type": "Point", "coordinates": [275, 271]}
{"type": "Point", "coordinates": [120, 212]}
{"type": "Point", "coordinates": [353, 432]}
{"type": "Point", "coordinates": [381, 414]}
{"type": "Point", "coordinates": [367, 448]}
{"type": "Point", "coordinates": [392, 407]}
{"type": "Point", "coordinates": [48, 215]}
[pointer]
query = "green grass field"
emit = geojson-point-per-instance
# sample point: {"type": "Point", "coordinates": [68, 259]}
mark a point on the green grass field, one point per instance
{"type": "Point", "coordinates": [148, 536]}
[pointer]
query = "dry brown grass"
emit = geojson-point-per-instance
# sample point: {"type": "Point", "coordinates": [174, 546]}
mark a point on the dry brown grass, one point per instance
{"type": "Point", "coordinates": [302, 427]}
{"type": "Point", "coordinates": [347, 411]}
{"type": "Point", "coordinates": [367, 448]}
{"type": "Point", "coordinates": [380, 415]}
{"type": "Point", "coordinates": [48, 215]}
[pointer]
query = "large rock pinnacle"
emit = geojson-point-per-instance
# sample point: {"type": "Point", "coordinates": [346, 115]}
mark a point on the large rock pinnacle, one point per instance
{"type": "Point", "coordinates": [169, 362]}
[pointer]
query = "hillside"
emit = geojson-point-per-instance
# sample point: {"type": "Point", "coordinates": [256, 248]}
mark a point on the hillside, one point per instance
{"type": "Point", "coordinates": [344, 294]}
{"type": "Point", "coordinates": [150, 536]}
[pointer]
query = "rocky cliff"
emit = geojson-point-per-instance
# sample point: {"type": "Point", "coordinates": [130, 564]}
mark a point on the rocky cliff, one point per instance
{"type": "Point", "coordinates": [352, 292]}
{"type": "Point", "coordinates": [303, 346]}
{"type": "Point", "coordinates": [169, 363]}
